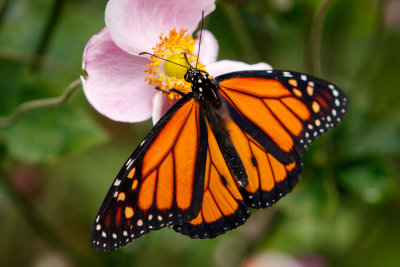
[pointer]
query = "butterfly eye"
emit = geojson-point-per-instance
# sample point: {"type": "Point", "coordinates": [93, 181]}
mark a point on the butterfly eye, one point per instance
{"type": "Point", "coordinates": [186, 77]}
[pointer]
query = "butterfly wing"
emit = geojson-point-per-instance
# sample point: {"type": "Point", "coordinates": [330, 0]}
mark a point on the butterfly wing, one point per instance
{"type": "Point", "coordinates": [269, 179]}
{"type": "Point", "coordinates": [275, 116]}
{"type": "Point", "coordinates": [156, 186]}
{"type": "Point", "coordinates": [223, 207]}
{"type": "Point", "coordinates": [284, 111]}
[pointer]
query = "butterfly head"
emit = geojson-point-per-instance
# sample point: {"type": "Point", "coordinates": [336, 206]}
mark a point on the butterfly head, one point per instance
{"type": "Point", "coordinates": [193, 75]}
{"type": "Point", "coordinates": [203, 87]}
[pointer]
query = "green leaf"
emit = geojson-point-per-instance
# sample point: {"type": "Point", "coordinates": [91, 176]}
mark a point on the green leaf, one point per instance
{"type": "Point", "coordinates": [372, 182]}
{"type": "Point", "coordinates": [45, 135]}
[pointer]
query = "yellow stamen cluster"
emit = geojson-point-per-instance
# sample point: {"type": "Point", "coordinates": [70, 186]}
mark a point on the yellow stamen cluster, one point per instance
{"type": "Point", "coordinates": [166, 75]}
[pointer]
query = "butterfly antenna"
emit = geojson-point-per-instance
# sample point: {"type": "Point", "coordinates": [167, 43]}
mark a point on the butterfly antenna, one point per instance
{"type": "Point", "coordinates": [187, 60]}
{"type": "Point", "coordinates": [146, 53]}
{"type": "Point", "coordinates": [201, 33]}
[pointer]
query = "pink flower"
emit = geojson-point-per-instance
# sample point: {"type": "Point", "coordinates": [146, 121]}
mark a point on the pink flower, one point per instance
{"type": "Point", "coordinates": [121, 84]}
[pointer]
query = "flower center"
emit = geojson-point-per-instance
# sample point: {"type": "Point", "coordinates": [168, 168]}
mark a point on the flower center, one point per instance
{"type": "Point", "coordinates": [174, 70]}
{"type": "Point", "coordinates": [168, 75]}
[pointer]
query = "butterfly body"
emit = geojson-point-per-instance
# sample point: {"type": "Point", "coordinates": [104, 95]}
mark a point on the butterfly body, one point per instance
{"type": "Point", "coordinates": [205, 90]}
{"type": "Point", "coordinates": [234, 142]}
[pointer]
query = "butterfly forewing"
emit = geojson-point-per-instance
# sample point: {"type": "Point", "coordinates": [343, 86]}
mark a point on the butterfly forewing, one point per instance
{"type": "Point", "coordinates": [160, 184]}
{"type": "Point", "coordinates": [284, 111]}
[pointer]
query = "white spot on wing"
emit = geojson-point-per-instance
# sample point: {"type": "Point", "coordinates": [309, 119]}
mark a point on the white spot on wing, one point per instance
{"type": "Point", "coordinates": [128, 165]}
{"type": "Point", "coordinates": [287, 74]}
{"type": "Point", "coordinates": [304, 77]}
{"type": "Point", "coordinates": [128, 162]}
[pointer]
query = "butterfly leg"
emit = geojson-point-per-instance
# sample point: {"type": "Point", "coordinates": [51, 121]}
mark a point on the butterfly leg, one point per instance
{"type": "Point", "coordinates": [172, 90]}
{"type": "Point", "coordinates": [177, 91]}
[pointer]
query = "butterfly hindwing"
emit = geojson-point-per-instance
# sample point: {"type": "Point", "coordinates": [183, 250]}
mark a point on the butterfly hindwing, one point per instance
{"type": "Point", "coordinates": [284, 111]}
{"type": "Point", "coordinates": [223, 207]}
{"type": "Point", "coordinates": [269, 179]}
{"type": "Point", "coordinates": [157, 185]}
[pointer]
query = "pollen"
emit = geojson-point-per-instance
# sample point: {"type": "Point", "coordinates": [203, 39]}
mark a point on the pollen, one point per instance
{"type": "Point", "coordinates": [168, 74]}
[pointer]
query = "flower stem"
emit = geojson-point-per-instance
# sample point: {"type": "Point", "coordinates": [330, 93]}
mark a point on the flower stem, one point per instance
{"type": "Point", "coordinates": [245, 40]}
{"type": "Point", "coordinates": [364, 68]}
{"type": "Point", "coordinates": [3, 10]}
{"type": "Point", "coordinates": [38, 104]}
{"type": "Point", "coordinates": [316, 37]}
{"type": "Point", "coordinates": [45, 40]}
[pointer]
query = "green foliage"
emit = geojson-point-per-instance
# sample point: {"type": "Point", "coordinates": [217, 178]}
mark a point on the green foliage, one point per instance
{"type": "Point", "coordinates": [45, 135]}
{"type": "Point", "coordinates": [344, 211]}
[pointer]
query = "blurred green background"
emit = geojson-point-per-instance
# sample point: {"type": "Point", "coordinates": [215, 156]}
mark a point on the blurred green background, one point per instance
{"type": "Point", "coordinates": [57, 163]}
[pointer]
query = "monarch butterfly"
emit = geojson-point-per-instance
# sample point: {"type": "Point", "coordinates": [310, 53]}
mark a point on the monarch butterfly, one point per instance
{"type": "Point", "coordinates": [233, 143]}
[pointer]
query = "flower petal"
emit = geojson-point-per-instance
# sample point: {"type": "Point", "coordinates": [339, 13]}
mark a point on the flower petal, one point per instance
{"type": "Point", "coordinates": [208, 49]}
{"type": "Point", "coordinates": [226, 66]}
{"type": "Point", "coordinates": [115, 85]}
{"type": "Point", "coordinates": [136, 25]}
{"type": "Point", "coordinates": [161, 104]}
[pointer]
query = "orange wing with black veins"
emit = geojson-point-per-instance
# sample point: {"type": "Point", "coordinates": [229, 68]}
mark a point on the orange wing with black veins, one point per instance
{"type": "Point", "coordinates": [269, 179]}
{"type": "Point", "coordinates": [160, 184]}
{"type": "Point", "coordinates": [223, 207]}
{"type": "Point", "coordinates": [284, 111]}
{"type": "Point", "coordinates": [275, 115]}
